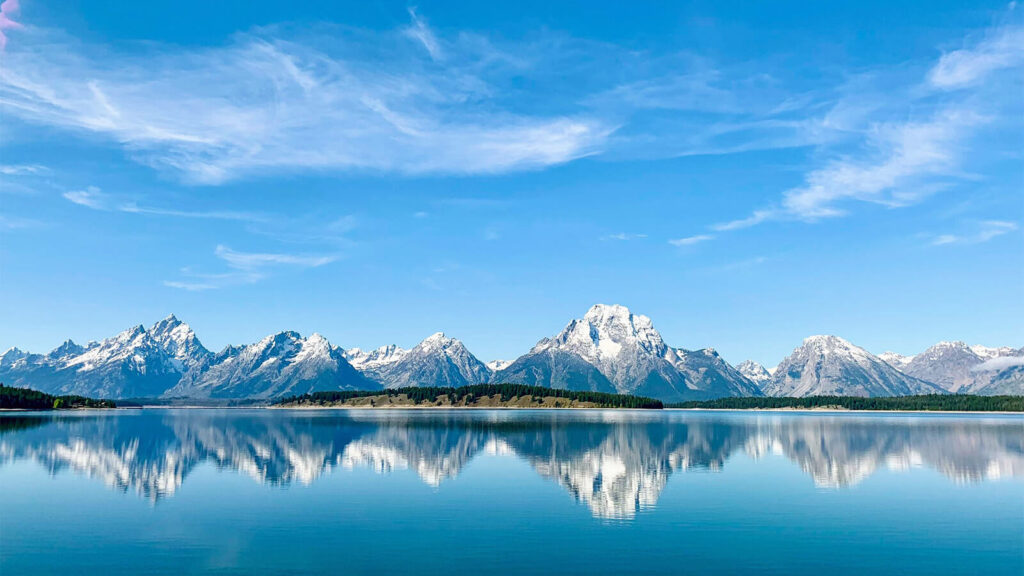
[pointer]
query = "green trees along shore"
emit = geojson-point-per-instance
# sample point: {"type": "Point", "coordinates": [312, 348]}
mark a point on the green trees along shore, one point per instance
{"type": "Point", "coordinates": [476, 395]}
{"type": "Point", "coordinates": [28, 399]}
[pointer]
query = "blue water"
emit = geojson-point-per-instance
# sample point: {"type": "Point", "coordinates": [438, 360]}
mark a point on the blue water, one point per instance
{"type": "Point", "coordinates": [509, 492]}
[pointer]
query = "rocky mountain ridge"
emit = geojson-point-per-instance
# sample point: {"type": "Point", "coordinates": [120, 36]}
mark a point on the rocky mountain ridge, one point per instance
{"type": "Point", "coordinates": [609, 349]}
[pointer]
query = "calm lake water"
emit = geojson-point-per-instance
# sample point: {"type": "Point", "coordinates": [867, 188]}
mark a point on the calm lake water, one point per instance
{"type": "Point", "coordinates": [509, 492]}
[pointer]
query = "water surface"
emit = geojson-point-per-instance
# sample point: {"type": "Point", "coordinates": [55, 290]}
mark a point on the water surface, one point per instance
{"type": "Point", "coordinates": [517, 492]}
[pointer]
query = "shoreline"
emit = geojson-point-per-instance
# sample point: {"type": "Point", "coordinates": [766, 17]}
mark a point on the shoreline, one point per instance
{"type": "Point", "coordinates": [844, 410]}
{"type": "Point", "coordinates": [563, 408]}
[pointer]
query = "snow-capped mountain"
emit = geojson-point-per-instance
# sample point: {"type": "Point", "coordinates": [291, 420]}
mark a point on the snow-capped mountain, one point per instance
{"type": "Point", "coordinates": [612, 349]}
{"type": "Point", "coordinates": [67, 350]}
{"type": "Point", "coordinates": [754, 372]}
{"type": "Point", "coordinates": [436, 361]}
{"type": "Point", "coordinates": [279, 365]}
{"type": "Point", "coordinates": [958, 367]}
{"type": "Point", "coordinates": [373, 359]}
{"type": "Point", "coordinates": [135, 363]}
{"type": "Point", "coordinates": [829, 365]}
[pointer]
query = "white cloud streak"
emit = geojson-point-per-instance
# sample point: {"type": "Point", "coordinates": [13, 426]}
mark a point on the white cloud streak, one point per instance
{"type": "Point", "coordinates": [22, 169]}
{"type": "Point", "coordinates": [245, 268]}
{"type": "Point", "coordinates": [93, 197]}
{"type": "Point", "coordinates": [1003, 48]}
{"type": "Point", "coordinates": [1001, 363]}
{"type": "Point", "coordinates": [908, 156]}
{"type": "Point", "coordinates": [257, 260]}
{"type": "Point", "coordinates": [624, 236]}
{"type": "Point", "coordinates": [691, 240]}
{"type": "Point", "coordinates": [901, 161]}
{"type": "Point", "coordinates": [424, 35]}
{"type": "Point", "coordinates": [283, 106]}
{"type": "Point", "coordinates": [988, 230]}
{"type": "Point", "coordinates": [90, 197]}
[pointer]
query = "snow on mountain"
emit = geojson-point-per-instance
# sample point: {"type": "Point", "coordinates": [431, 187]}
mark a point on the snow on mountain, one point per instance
{"type": "Point", "coordinates": [135, 363]}
{"type": "Point", "coordinates": [960, 368]}
{"type": "Point", "coordinates": [66, 350]}
{"type": "Point", "coordinates": [708, 376]}
{"type": "Point", "coordinates": [611, 345]}
{"type": "Point", "coordinates": [987, 353]}
{"type": "Point", "coordinates": [373, 359]}
{"type": "Point", "coordinates": [754, 372]}
{"type": "Point", "coordinates": [554, 368]}
{"type": "Point", "coordinates": [281, 364]}
{"type": "Point", "coordinates": [610, 349]}
{"type": "Point", "coordinates": [11, 356]}
{"type": "Point", "coordinates": [895, 359]}
{"type": "Point", "coordinates": [495, 365]}
{"type": "Point", "coordinates": [829, 365]}
{"type": "Point", "coordinates": [436, 361]}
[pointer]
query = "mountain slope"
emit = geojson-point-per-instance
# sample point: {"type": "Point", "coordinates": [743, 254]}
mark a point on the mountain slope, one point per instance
{"type": "Point", "coordinates": [373, 359]}
{"type": "Point", "coordinates": [610, 346]}
{"type": "Point", "coordinates": [135, 363]}
{"type": "Point", "coordinates": [960, 368]}
{"type": "Point", "coordinates": [436, 361]}
{"type": "Point", "coordinates": [829, 365]}
{"type": "Point", "coordinates": [754, 372]}
{"type": "Point", "coordinates": [278, 365]}
{"type": "Point", "coordinates": [555, 369]}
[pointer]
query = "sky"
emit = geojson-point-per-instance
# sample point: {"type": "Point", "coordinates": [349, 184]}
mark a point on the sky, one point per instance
{"type": "Point", "coordinates": [745, 174]}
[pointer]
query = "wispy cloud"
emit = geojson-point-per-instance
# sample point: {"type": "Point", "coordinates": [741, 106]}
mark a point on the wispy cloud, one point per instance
{"type": "Point", "coordinates": [624, 236]}
{"type": "Point", "coordinates": [93, 197]}
{"type": "Point", "coordinates": [753, 220]}
{"type": "Point", "coordinates": [912, 141]}
{"type": "Point", "coordinates": [8, 10]}
{"type": "Point", "coordinates": [90, 197]}
{"type": "Point", "coordinates": [257, 260]}
{"type": "Point", "coordinates": [245, 268]}
{"type": "Point", "coordinates": [999, 49]}
{"type": "Point", "coordinates": [424, 35]}
{"type": "Point", "coordinates": [987, 230]}
{"type": "Point", "coordinates": [691, 240]}
{"type": "Point", "coordinates": [905, 160]}
{"type": "Point", "coordinates": [22, 169]}
{"type": "Point", "coordinates": [287, 101]}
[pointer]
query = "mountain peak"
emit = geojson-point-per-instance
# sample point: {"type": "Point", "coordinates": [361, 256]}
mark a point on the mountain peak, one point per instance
{"type": "Point", "coordinates": [830, 365]}
{"type": "Point", "coordinates": [754, 372]}
{"type": "Point", "coordinates": [436, 337]}
{"type": "Point", "coordinates": [607, 310]}
{"type": "Point", "coordinates": [13, 354]}
{"type": "Point", "coordinates": [67, 348]}
{"type": "Point", "coordinates": [827, 340]}
{"type": "Point", "coordinates": [954, 344]}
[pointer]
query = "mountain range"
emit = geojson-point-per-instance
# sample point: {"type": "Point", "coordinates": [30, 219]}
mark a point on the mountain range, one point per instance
{"type": "Point", "coordinates": [609, 349]}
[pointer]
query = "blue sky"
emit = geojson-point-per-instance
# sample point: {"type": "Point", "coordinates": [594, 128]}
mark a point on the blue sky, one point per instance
{"type": "Point", "coordinates": [746, 174]}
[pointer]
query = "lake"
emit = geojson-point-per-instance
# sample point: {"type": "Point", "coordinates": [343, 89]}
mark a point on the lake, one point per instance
{"type": "Point", "coordinates": [510, 492]}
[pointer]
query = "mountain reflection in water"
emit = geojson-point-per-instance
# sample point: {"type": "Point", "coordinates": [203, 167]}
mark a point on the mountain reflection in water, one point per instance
{"type": "Point", "coordinates": [615, 462]}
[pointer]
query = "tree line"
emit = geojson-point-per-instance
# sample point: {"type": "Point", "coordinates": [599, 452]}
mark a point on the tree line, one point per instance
{"type": "Point", "coordinates": [28, 399]}
{"type": "Point", "coordinates": [932, 402]}
{"type": "Point", "coordinates": [469, 394]}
